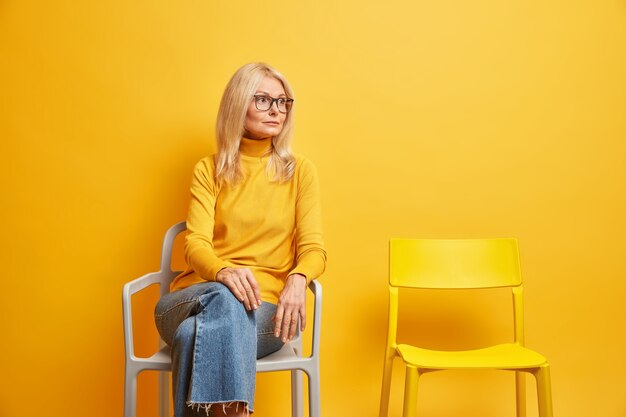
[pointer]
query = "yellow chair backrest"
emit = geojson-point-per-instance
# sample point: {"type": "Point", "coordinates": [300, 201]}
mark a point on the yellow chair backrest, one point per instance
{"type": "Point", "coordinates": [454, 263]}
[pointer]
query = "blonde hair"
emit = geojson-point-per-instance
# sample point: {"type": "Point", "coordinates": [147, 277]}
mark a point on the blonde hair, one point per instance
{"type": "Point", "coordinates": [230, 126]}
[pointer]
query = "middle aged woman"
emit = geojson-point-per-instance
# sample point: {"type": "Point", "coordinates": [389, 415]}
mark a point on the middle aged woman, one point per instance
{"type": "Point", "coordinates": [254, 242]}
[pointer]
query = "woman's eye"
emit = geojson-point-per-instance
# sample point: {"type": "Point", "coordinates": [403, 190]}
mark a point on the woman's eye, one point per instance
{"type": "Point", "coordinates": [261, 100]}
{"type": "Point", "coordinates": [281, 101]}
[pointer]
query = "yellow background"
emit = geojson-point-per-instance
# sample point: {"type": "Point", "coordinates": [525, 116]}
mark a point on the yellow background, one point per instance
{"type": "Point", "coordinates": [425, 119]}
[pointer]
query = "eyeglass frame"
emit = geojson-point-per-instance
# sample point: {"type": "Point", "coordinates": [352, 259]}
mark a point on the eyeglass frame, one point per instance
{"type": "Point", "coordinates": [272, 101]}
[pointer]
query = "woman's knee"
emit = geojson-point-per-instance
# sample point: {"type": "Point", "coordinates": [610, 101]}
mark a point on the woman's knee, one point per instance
{"type": "Point", "coordinates": [185, 332]}
{"type": "Point", "coordinates": [222, 295]}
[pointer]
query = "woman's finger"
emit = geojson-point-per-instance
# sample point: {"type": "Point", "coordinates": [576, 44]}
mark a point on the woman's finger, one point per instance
{"type": "Point", "coordinates": [254, 286]}
{"type": "Point", "coordinates": [293, 326]}
{"type": "Point", "coordinates": [285, 326]}
{"type": "Point", "coordinates": [278, 320]}
{"type": "Point", "coordinates": [228, 278]}
{"type": "Point", "coordinates": [249, 294]}
{"type": "Point", "coordinates": [242, 291]}
{"type": "Point", "coordinates": [302, 317]}
{"type": "Point", "coordinates": [232, 286]}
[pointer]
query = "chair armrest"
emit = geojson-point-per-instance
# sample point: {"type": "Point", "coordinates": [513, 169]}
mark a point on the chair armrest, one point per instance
{"type": "Point", "coordinates": [133, 287]}
{"type": "Point", "coordinates": [143, 282]}
{"type": "Point", "coordinates": [164, 277]}
{"type": "Point", "coordinates": [316, 289]}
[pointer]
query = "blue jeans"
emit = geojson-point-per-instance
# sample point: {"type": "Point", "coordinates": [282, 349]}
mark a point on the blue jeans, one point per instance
{"type": "Point", "coordinates": [215, 342]}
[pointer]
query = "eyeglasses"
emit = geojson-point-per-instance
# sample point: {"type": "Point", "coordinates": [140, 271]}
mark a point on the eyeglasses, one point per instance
{"type": "Point", "coordinates": [264, 103]}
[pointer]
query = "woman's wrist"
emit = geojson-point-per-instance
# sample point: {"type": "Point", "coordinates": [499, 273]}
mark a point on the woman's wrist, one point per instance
{"type": "Point", "coordinates": [297, 278]}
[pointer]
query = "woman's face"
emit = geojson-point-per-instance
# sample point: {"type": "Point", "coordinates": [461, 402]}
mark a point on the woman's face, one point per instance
{"type": "Point", "coordinates": [261, 124]}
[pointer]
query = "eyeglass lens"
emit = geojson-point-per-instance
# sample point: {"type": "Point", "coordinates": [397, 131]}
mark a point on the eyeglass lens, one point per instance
{"type": "Point", "coordinates": [264, 103]}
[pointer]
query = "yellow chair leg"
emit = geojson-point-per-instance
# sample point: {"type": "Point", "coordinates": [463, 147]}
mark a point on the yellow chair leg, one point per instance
{"type": "Point", "coordinates": [544, 391]}
{"type": "Point", "coordinates": [386, 388]}
{"type": "Point", "coordinates": [410, 392]}
{"type": "Point", "coordinates": [520, 393]}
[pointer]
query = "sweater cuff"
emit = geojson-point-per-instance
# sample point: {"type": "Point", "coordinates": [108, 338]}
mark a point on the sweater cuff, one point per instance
{"type": "Point", "coordinates": [311, 266]}
{"type": "Point", "coordinates": [206, 264]}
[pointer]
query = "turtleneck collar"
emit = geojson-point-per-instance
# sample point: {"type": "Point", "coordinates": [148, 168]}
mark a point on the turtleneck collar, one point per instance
{"type": "Point", "coordinates": [254, 147]}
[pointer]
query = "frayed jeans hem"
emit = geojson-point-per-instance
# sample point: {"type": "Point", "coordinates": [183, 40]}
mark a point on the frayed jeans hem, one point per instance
{"type": "Point", "coordinates": [206, 407]}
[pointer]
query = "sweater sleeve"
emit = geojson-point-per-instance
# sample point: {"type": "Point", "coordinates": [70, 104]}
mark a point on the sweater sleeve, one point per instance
{"type": "Point", "coordinates": [199, 251]}
{"type": "Point", "coordinates": [310, 253]}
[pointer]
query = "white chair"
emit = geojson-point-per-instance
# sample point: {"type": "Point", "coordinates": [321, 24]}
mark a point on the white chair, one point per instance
{"type": "Point", "coordinates": [288, 358]}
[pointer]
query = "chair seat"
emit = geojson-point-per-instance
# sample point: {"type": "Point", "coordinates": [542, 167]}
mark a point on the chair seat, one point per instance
{"type": "Point", "coordinates": [504, 356]}
{"type": "Point", "coordinates": [281, 359]}
{"type": "Point", "coordinates": [162, 356]}
{"type": "Point", "coordinates": [161, 360]}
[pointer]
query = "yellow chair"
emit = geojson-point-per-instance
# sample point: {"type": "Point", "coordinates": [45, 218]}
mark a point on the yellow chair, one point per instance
{"type": "Point", "coordinates": [460, 264]}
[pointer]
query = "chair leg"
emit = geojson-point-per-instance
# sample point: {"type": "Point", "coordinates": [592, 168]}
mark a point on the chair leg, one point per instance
{"type": "Point", "coordinates": [410, 392]}
{"type": "Point", "coordinates": [314, 392]}
{"type": "Point", "coordinates": [544, 391]}
{"type": "Point", "coordinates": [384, 394]}
{"type": "Point", "coordinates": [520, 393]}
{"type": "Point", "coordinates": [297, 388]}
{"type": "Point", "coordinates": [164, 394]}
{"type": "Point", "coordinates": [130, 393]}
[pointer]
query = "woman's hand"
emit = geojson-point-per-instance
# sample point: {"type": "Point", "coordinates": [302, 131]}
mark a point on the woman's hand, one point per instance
{"type": "Point", "coordinates": [291, 304]}
{"type": "Point", "coordinates": [242, 284]}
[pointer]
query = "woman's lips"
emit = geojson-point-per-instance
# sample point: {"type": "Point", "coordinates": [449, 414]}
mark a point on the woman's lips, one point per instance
{"type": "Point", "coordinates": [271, 123]}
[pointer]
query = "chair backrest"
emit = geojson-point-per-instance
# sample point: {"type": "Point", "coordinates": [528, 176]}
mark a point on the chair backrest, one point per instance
{"type": "Point", "coordinates": [455, 264]}
{"type": "Point", "coordinates": [166, 253]}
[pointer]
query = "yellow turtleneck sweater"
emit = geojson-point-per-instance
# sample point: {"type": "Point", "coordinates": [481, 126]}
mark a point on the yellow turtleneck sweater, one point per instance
{"type": "Point", "coordinates": [272, 228]}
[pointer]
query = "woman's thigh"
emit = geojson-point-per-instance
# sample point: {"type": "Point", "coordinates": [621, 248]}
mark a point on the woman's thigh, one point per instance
{"type": "Point", "coordinates": [173, 308]}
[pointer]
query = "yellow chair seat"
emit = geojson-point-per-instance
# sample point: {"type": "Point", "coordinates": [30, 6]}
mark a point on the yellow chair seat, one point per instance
{"type": "Point", "coordinates": [504, 356]}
